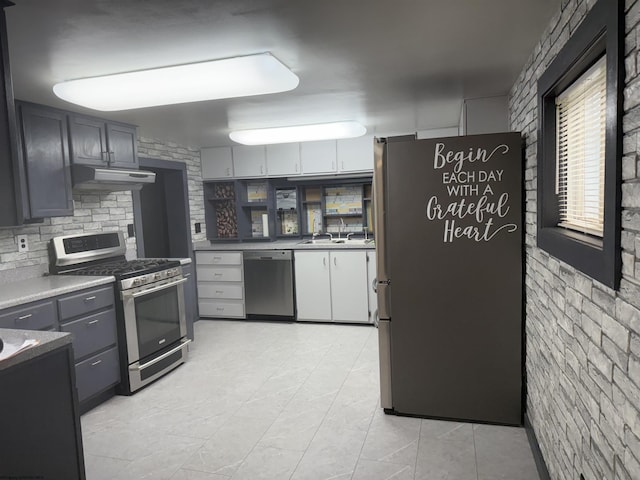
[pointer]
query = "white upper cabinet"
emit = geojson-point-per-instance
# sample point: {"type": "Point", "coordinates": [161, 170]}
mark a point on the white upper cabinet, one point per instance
{"type": "Point", "coordinates": [318, 157]}
{"type": "Point", "coordinates": [216, 163]}
{"type": "Point", "coordinates": [355, 154]}
{"type": "Point", "coordinates": [283, 159]}
{"type": "Point", "coordinates": [249, 161]}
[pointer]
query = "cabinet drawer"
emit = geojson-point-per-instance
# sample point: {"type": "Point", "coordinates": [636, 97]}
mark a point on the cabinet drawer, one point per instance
{"type": "Point", "coordinates": [219, 258]}
{"type": "Point", "coordinates": [223, 309]}
{"type": "Point", "coordinates": [96, 374]}
{"type": "Point", "coordinates": [92, 333]}
{"type": "Point", "coordinates": [219, 274]}
{"type": "Point", "coordinates": [85, 302]}
{"type": "Point", "coordinates": [230, 291]}
{"type": "Point", "coordinates": [38, 316]}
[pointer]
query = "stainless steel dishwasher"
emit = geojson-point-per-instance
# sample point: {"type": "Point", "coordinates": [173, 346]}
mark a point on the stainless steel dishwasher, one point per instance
{"type": "Point", "coordinates": [268, 284]}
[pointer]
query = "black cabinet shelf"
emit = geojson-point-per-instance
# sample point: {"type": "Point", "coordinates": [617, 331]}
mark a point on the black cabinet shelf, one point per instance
{"type": "Point", "coordinates": [217, 199]}
{"type": "Point", "coordinates": [340, 215]}
{"type": "Point", "coordinates": [254, 204]}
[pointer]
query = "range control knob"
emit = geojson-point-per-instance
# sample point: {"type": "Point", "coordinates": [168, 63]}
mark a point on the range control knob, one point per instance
{"type": "Point", "coordinates": [157, 276]}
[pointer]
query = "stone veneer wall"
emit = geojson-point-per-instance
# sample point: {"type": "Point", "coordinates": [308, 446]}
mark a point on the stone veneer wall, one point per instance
{"type": "Point", "coordinates": [94, 213]}
{"type": "Point", "coordinates": [583, 339]}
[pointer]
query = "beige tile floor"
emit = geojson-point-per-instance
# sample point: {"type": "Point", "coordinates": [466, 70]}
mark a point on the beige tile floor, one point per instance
{"type": "Point", "coordinates": [286, 401]}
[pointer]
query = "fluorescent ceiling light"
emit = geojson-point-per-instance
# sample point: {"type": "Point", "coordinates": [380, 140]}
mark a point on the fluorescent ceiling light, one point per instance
{"type": "Point", "coordinates": [298, 133]}
{"type": "Point", "coordinates": [231, 77]}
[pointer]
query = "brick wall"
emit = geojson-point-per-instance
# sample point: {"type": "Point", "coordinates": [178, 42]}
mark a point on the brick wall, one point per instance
{"type": "Point", "coordinates": [94, 213]}
{"type": "Point", "coordinates": [583, 339]}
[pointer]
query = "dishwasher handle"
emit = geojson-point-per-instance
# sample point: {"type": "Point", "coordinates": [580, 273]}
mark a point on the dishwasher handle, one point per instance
{"type": "Point", "coordinates": [267, 255]}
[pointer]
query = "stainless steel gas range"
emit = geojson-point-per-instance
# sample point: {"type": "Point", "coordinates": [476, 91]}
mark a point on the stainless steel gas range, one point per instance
{"type": "Point", "coordinates": [152, 331]}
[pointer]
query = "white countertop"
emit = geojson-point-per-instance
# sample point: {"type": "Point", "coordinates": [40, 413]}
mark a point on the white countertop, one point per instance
{"type": "Point", "coordinates": [48, 341]}
{"type": "Point", "coordinates": [280, 245]}
{"type": "Point", "coordinates": [33, 289]}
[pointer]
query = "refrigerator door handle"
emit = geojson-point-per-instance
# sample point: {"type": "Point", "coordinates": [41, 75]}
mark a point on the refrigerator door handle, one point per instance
{"type": "Point", "coordinates": [379, 195]}
{"type": "Point", "coordinates": [383, 292]}
{"type": "Point", "coordinates": [384, 348]}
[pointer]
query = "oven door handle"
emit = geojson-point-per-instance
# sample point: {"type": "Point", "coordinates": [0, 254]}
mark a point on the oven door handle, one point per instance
{"type": "Point", "coordinates": [137, 366]}
{"type": "Point", "coordinates": [155, 289]}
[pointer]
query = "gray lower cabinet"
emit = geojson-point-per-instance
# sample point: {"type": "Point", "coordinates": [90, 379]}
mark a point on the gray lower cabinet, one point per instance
{"type": "Point", "coordinates": [90, 315]}
{"type": "Point", "coordinates": [44, 156]}
{"type": "Point", "coordinates": [40, 433]}
{"type": "Point", "coordinates": [190, 298]}
{"type": "Point", "coordinates": [33, 316]}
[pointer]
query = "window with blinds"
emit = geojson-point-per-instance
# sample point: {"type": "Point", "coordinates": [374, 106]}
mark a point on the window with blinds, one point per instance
{"type": "Point", "coordinates": [581, 122]}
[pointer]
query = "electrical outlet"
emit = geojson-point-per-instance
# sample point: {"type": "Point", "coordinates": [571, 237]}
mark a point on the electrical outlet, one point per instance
{"type": "Point", "coordinates": [23, 243]}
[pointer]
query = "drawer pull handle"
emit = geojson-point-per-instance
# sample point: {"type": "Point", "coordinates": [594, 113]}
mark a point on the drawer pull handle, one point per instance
{"type": "Point", "coordinates": [217, 274]}
{"type": "Point", "coordinates": [219, 292]}
{"type": "Point", "coordinates": [88, 299]}
{"type": "Point", "coordinates": [24, 317]}
{"type": "Point", "coordinates": [217, 258]}
{"type": "Point", "coordinates": [220, 309]}
{"type": "Point", "coordinates": [93, 322]}
{"type": "Point", "coordinates": [186, 274]}
{"type": "Point", "coordinates": [97, 362]}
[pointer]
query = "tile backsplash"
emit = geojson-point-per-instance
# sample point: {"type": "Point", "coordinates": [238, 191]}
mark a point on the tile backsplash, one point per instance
{"type": "Point", "coordinates": [91, 213]}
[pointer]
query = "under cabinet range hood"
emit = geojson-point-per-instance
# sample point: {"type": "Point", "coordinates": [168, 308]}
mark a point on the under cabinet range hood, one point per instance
{"type": "Point", "coordinates": [88, 178]}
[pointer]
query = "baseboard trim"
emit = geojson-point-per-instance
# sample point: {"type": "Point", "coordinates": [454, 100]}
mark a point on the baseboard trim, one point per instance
{"type": "Point", "coordinates": [543, 472]}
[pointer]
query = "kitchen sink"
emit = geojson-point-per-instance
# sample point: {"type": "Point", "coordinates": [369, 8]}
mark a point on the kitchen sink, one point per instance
{"type": "Point", "coordinates": [334, 241]}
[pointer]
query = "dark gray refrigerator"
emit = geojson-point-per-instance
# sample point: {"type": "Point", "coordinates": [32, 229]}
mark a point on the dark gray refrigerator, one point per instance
{"type": "Point", "coordinates": [449, 244]}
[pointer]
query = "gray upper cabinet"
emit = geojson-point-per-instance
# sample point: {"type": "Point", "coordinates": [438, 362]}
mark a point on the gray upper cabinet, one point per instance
{"type": "Point", "coordinates": [100, 143]}
{"type": "Point", "coordinates": [44, 155]}
{"type": "Point", "coordinates": [122, 141]}
{"type": "Point", "coordinates": [88, 141]}
{"type": "Point", "coordinates": [10, 213]}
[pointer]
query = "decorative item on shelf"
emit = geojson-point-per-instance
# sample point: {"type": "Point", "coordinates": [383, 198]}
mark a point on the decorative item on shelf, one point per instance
{"type": "Point", "coordinates": [259, 223]}
{"type": "Point", "coordinates": [346, 200]}
{"type": "Point", "coordinates": [314, 219]}
{"type": "Point", "coordinates": [224, 191]}
{"type": "Point", "coordinates": [288, 222]}
{"type": "Point", "coordinates": [226, 220]}
{"type": "Point", "coordinates": [256, 192]}
{"type": "Point", "coordinates": [286, 199]}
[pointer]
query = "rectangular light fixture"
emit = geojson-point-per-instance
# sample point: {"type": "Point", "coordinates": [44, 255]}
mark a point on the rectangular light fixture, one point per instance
{"type": "Point", "coordinates": [227, 78]}
{"type": "Point", "coordinates": [298, 133]}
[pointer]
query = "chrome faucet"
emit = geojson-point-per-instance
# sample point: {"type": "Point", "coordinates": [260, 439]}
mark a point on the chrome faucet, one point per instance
{"type": "Point", "coordinates": [349, 235]}
{"type": "Point", "coordinates": [316, 234]}
{"type": "Point", "coordinates": [340, 227]}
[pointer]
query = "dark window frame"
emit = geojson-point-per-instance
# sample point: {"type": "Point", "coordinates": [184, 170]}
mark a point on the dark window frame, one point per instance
{"type": "Point", "coordinates": [600, 33]}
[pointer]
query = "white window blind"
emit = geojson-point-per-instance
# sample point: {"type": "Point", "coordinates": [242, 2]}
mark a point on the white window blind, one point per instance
{"type": "Point", "coordinates": [581, 122]}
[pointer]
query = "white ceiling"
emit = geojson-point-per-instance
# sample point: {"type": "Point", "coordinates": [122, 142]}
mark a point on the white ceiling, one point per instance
{"type": "Point", "coordinates": [396, 66]}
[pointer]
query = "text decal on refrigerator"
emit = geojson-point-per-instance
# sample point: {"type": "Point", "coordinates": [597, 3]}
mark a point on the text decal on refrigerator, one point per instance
{"type": "Point", "coordinates": [474, 206]}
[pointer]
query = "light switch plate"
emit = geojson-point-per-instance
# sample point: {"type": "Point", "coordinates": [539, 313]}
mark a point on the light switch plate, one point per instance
{"type": "Point", "coordinates": [23, 243]}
